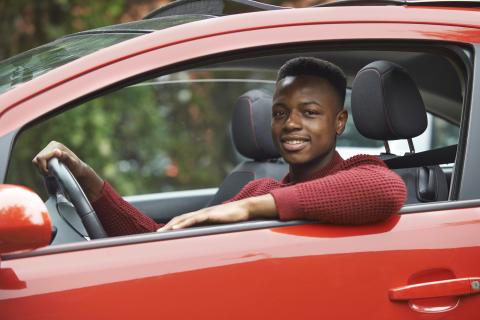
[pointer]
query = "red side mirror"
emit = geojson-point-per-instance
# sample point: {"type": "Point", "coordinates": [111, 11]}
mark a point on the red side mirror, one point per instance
{"type": "Point", "coordinates": [24, 220]}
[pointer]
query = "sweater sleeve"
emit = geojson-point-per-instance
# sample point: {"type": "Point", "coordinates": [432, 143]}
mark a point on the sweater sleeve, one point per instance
{"type": "Point", "coordinates": [363, 194]}
{"type": "Point", "coordinates": [254, 188]}
{"type": "Point", "coordinates": [119, 217]}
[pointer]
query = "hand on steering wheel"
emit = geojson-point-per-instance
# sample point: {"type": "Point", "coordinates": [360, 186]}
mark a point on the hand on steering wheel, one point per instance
{"type": "Point", "coordinates": [57, 160]}
{"type": "Point", "coordinates": [74, 192]}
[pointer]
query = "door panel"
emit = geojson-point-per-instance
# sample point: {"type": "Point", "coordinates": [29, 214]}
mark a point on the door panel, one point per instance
{"type": "Point", "coordinates": [163, 206]}
{"type": "Point", "coordinates": [306, 271]}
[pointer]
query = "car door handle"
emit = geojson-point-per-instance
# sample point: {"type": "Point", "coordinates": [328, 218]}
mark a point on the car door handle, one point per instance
{"type": "Point", "coordinates": [444, 288]}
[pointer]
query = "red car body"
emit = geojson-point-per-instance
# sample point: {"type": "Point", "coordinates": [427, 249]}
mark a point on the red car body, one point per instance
{"type": "Point", "coordinates": [422, 264]}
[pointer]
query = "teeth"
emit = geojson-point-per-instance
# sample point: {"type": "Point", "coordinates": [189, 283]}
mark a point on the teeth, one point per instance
{"type": "Point", "coordinates": [294, 141]}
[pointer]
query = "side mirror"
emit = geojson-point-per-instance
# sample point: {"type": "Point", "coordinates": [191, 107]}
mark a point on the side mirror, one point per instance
{"type": "Point", "coordinates": [24, 220]}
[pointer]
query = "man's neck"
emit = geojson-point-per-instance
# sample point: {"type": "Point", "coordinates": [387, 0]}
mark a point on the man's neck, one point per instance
{"type": "Point", "coordinates": [305, 171]}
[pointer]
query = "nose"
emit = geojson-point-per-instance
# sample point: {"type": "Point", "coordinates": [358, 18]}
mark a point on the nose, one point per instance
{"type": "Point", "coordinates": [293, 122]}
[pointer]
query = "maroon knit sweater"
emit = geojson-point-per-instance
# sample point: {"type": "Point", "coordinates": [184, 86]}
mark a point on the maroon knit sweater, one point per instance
{"type": "Point", "coordinates": [356, 191]}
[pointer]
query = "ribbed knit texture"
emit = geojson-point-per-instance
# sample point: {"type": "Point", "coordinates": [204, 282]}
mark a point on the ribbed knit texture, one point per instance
{"type": "Point", "coordinates": [119, 217]}
{"type": "Point", "coordinates": [356, 191]}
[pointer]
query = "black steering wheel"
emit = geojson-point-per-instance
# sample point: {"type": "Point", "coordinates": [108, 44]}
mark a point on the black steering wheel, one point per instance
{"type": "Point", "coordinates": [74, 192]}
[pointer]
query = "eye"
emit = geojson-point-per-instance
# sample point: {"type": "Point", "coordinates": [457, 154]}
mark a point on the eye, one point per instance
{"type": "Point", "coordinates": [278, 114]}
{"type": "Point", "coordinates": [311, 112]}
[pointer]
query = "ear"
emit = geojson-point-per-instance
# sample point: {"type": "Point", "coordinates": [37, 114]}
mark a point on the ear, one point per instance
{"type": "Point", "coordinates": [341, 121]}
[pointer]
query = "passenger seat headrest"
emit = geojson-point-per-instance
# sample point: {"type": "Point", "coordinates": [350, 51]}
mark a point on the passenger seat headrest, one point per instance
{"type": "Point", "coordinates": [251, 126]}
{"type": "Point", "coordinates": [386, 103]}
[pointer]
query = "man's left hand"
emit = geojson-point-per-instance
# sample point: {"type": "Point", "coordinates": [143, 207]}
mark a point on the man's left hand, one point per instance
{"type": "Point", "coordinates": [242, 210]}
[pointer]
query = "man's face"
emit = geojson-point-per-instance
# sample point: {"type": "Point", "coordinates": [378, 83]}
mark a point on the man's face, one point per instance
{"type": "Point", "coordinates": [306, 118]}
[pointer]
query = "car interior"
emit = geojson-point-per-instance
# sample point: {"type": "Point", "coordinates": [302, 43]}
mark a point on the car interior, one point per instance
{"type": "Point", "coordinates": [392, 87]}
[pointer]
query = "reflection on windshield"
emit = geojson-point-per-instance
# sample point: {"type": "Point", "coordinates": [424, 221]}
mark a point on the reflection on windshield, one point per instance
{"type": "Point", "coordinates": [33, 63]}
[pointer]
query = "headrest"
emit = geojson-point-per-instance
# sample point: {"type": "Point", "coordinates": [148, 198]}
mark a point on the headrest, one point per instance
{"type": "Point", "coordinates": [251, 126]}
{"type": "Point", "coordinates": [386, 103]}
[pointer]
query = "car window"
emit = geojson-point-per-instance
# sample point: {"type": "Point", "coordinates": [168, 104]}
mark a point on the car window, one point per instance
{"type": "Point", "coordinates": [166, 134]}
{"type": "Point", "coordinates": [443, 132]}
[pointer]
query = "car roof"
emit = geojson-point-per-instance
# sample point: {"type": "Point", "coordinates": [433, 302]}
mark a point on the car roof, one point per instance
{"type": "Point", "coordinates": [227, 7]}
{"type": "Point", "coordinates": [444, 3]}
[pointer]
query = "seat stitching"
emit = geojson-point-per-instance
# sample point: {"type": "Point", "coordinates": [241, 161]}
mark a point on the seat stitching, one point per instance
{"type": "Point", "coordinates": [250, 104]}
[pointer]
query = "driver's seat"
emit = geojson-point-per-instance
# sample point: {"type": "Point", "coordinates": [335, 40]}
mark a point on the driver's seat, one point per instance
{"type": "Point", "coordinates": [252, 138]}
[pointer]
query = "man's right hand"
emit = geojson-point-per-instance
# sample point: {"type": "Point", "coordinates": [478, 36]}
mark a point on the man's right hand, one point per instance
{"type": "Point", "coordinates": [91, 183]}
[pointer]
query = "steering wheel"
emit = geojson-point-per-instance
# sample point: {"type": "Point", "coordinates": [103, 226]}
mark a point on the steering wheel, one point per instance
{"type": "Point", "coordinates": [74, 192]}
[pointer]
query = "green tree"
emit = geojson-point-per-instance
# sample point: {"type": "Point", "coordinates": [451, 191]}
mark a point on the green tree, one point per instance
{"type": "Point", "coordinates": [26, 24]}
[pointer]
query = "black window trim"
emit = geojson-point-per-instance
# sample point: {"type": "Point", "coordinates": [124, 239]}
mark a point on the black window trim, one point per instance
{"type": "Point", "coordinates": [466, 177]}
{"type": "Point", "coordinates": [6, 143]}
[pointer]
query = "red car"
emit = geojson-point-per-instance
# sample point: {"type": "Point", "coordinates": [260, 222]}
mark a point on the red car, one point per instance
{"type": "Point", "coordinates": [148, 104]}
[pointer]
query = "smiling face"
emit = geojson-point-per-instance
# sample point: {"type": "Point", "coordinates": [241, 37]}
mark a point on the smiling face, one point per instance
{"type": "Point", "coordinates": [306, 118]}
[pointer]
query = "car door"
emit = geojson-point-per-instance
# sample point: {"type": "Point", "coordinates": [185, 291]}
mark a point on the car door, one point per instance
{"type": "Point", "coordinates": [303, 271]}
{"type": "Point", "coordinates": [418, 265]}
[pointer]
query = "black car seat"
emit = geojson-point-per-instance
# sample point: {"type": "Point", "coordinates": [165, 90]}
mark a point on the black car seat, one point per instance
{"type": "Point", "coordinates": [386, 105]}
{"type": "Point", "coordinates": [252, 138]}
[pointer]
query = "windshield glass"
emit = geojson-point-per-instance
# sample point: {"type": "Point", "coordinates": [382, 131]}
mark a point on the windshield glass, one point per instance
{"type": "Point", "coordinates": [33, 63]}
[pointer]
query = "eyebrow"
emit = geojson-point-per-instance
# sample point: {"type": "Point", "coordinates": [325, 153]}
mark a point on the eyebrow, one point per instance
{"type": "Point", "coordinates": [278, 104]}
{"type": "Point", "coordinates": [304, 103]}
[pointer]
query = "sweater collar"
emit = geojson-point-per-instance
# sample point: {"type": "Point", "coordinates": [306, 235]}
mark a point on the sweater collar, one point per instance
{"type": "Point", "coordinates": [325, 171]}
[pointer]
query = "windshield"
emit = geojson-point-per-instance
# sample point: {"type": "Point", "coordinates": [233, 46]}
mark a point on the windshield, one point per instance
{"type": "Point", "coordinates": [33, 63]}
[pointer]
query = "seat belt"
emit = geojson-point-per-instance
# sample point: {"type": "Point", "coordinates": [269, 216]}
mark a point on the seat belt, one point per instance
{"type": "Point", "coordinates": [426, 158]}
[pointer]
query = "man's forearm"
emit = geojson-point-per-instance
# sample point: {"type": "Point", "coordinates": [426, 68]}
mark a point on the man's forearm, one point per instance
{"type": "Point", "coordinates": [91, 183]}
{"type": "Point", "coordinates": [261, 207]}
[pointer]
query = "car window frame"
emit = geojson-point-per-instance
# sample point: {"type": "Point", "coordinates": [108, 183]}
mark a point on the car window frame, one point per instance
{"type": "Point", "coordinates": [464, 183]}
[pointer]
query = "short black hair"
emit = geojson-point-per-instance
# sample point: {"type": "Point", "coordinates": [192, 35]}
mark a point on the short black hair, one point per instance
{"type": "Point", "coordinates": [310, 66]}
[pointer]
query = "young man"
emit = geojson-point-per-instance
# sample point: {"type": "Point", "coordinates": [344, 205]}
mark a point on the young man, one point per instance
{"type": "Point", "coordinates": [307, 116]}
